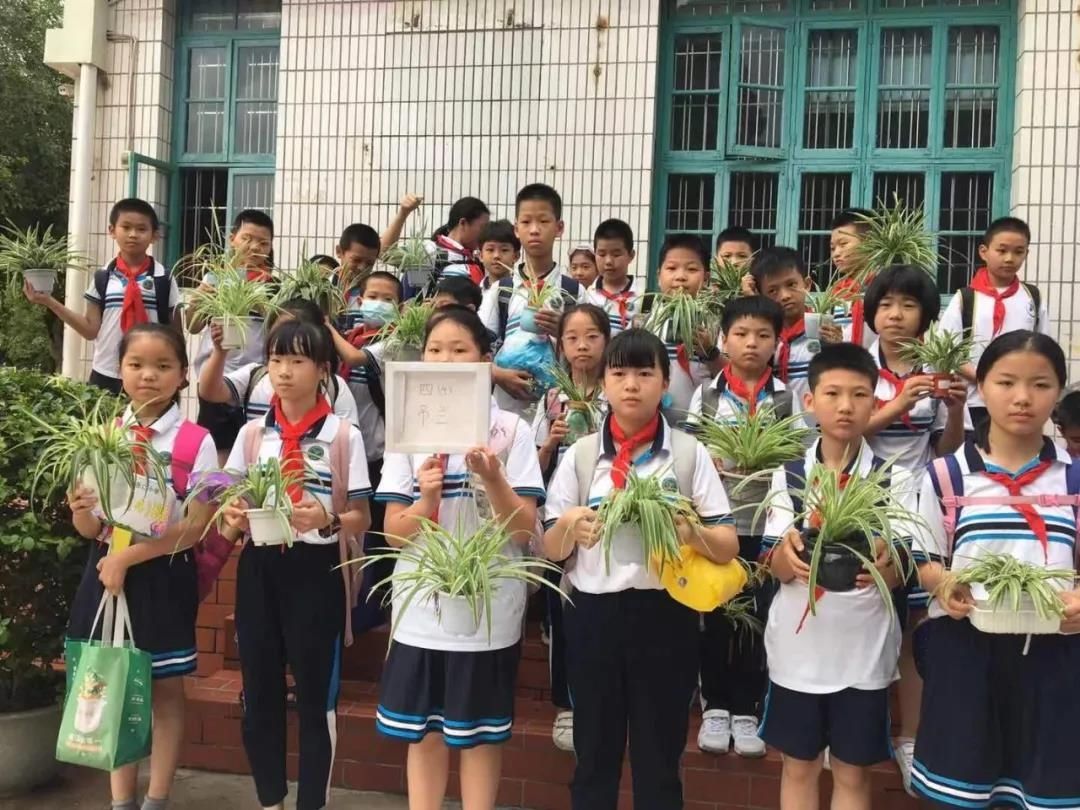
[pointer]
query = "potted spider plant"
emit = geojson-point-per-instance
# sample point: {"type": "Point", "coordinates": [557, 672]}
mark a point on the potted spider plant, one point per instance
{"type": "Point", "coordinates": [941, 352]}
{"type": "Point", "coordinates": [231, 303]}
{"type": "Point", "coordinates": [458, 572]}
{"type": "Point", "coordinates": [751, 447]}
{"type": "Point", "coordinates": [841, 524]}
{"type": "Point", "coordinates": [725, 279]}
{"type": "Point", "coordinates": [582, 403]}
{"type": "Point", "coordinates": [411, 258]}
{"type": "Point", "coordinates": [679, 316]}
{"type": "Point", "coordinates": [314, 283]}
{"type": "Point", "coordinates": [896, 235]}
{"type": "Point", "coordinates": [403, 337]}
{"type": "Point", "coordinates": [823, 305]}
{"type": "Point", "coordinates": [264, 488]}
{"type": "Point", "coordinates": [538, 295]}
{"type": "Point", "coordinates": [35, 256]}
{"type": "Point", "coordinates": [650, 503]}
{"type": "Point", "coordinates": [91, 447]}
{"type": "Point", "coordinates": [1012, 596]}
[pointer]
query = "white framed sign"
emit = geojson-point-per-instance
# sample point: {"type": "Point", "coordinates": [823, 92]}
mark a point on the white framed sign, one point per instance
{"type": "Point", "coordinates": [437, 407]}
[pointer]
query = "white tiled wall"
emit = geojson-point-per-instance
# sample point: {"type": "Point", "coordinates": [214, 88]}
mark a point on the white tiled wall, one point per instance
{"type": "Point", "coordinates": [1046, 158]}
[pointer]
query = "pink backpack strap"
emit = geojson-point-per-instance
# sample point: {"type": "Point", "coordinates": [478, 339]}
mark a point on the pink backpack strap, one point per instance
{"type": "Point", "coordinates": [945, 476]}
{"type": "Point", "coordinates": [253, 440]}
{"type": "Point", "coordinates": [349, 547]}
{"type": "Point", "coordinates": [185, 450]}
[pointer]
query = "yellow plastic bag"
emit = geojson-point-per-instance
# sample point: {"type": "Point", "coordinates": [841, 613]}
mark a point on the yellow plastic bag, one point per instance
{"type": "Point", "coordinates": [701, 584]}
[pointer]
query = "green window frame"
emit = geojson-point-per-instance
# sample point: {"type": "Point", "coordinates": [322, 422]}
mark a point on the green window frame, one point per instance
{"type": "Point", "coordinates": [875, 97]}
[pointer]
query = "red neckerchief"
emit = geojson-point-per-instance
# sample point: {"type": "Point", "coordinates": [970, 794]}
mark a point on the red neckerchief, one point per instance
{"type": "Point", "coordinates": [621, 299]}
{"type": "Point", "coordinates": [852, 291]}
{"type": "Point", "coordinates": [683, 359]}
{"type": "Point", "coordinates": [788, 335]}
{"type": "Point", "coordinates": [292, 457]}
{"type": "Point", "coordinates": [444, 458]}
{"type": "Point", "coordinates": [468, 257]}
{"type": "Point", "coordinates": [359, 337]}
{"type": "Point", "coordinates": [259, 274]}
{"type": "Point", "coordinates": [133, 310]}
{"type": "Point", "coordinates": [898, 384]}
{"type": "Point", "coordinates": [740, 389]}
{"type": "Point", "coordinates": [981, 283]}
{"type": "Point", "coordinates": [143, 434]}
{"type": "Point", "coordinates": [815, 522]}
{"type": "Point", "coordinates": [1015, 486]}
{"type": "Point", "coordinates": [625, 447]}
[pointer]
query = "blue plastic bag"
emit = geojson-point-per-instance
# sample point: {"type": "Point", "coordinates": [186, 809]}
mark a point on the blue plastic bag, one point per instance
{"type": "Point", "coordinates": [534, 354]}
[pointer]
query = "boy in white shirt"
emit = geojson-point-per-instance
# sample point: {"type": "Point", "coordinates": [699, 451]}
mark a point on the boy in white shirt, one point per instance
{"type": "Point", "coordinates": [830, 672]}
{"type": "Point", "coordinates": [613, 290]}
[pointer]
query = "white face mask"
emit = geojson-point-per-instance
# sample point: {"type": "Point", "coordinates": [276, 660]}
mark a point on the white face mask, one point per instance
{"type": "Point", "coordinates": [377, 313]}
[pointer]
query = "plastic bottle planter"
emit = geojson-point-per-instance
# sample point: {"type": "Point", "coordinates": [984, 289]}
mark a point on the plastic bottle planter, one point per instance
{"type": "Point", "coordinates": [812, 323]}
{"type": "Point", "coordinates": [745, 499]}
{"type": "Point", "coordinates": [839, 566]}
{"type": "Point", "coordinates": [942, 385]}
{"type": "Point", "coordinates": [233, 332]}
{"type": "Point", "coordinates": [143, 509]}
{"type": "Point", "coordinates": [578, 422]}
{"type": "Point", "coordinates": [417, 277]}
{"type": "Point", "coordinates": [1003, 619]}
{"type": "Point", "coordinates": [456, 615]}
{"type": "Point", "coordinates": [528, 321]}
{"type": "Point", "coordinates": [269, 527]}
{"type": "Point", "coordinates": [42, 280]}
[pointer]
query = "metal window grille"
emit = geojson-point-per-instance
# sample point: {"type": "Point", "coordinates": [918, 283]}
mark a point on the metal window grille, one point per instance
{"type": "Point", "coordinates": [209, 16]}
{"type": "Point", "coordinates": [902, 4]}
{"type": "Point", "coordinates": [821, 198]}
{"type": "Point", "coordinates": [753, 199]}
{"type": "Point", "coordinates": [725, 8]}
{"type": "Point", "coordinates": [208, 72]}
{"type": "Point", "coordinates": [834, 5]}
{"type": "Point", "coordinates": [690, 202]}
{"type": "Point", "coordinates": [903, 118]}
{"type": "Point", "coordinates": [761, 87]}
{"type": "Point", "coordinates": [695, 106]}
{"type": "Point", "coordinates": [831, 70]}
{"type": "Point", "coordinates": [204, 195]}
{"type": "Point", "coordinates": [908, 187]}
{"type": "Point", "coordinates": [256, 99]}
{"type": "Point", "coordinates": [971, 89]}
{"type": "Point", "coordinates": [965, 211]}
{"type": "Point", "coordinates": [252, 191]}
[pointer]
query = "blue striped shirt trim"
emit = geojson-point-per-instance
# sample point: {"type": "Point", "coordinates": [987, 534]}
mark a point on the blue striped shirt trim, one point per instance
{"type": "Point", "coordinates": [394, 497]}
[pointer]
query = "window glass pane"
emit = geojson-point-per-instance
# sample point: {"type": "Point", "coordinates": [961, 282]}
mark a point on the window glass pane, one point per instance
{"type": "Point", "coordinates": [258, 15]}
{"type": "Point", "coordinates": [821, 198]}
{"type": "Point", "coordinates": [971, 87]}
{"type": "Point", "coordinates": [690, 202]}
{"type": "Point", "coordinates": [211, 15]}
{"type": "Point", "coordinates": [207, 73]}
{"type": "Point", "coordinates": [695, 107]}
{"type": "Point", "coordinates": [256, 99]}
{"type": "Point", "coordinates": [966, 203]}
{"type": "Point", "coordinates": [831, 68]}
{"type": "Point", "coordinates": [937, 3]}
{"type": "Point", "coordinates": [202, 218]}
{"type": "Point", "coordinates": [761, 91]}
{"type": "Point", "coordinates": [834, 5]}
{"type": "Point", "coordinates": [909, 187]}
{"type": "Point", "coordinates": [725, 8]}
{"type": "Point", "coordinates": [752, 203]}
{"type": "Point", "coordinates": [904, 88]}
{"type": "Point", "coordinates": [252, 191]}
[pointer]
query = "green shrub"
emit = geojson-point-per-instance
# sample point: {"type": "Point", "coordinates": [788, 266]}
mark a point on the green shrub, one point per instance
{"type": "Point", "coordinates": [30, 336]}
{"type": "Point", "coordinates": [41, 557]}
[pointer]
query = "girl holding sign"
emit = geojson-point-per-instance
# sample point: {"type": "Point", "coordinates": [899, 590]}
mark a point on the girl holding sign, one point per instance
{"type": "Point", "coordinates": [460, 687]}
{"type": "Point", "coordinates": [156, 574]}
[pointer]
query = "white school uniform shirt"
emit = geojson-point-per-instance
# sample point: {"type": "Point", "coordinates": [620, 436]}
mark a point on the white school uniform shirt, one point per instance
{"type": "Point", "coordinates": [798, 381]}
{"type": "Point", "coordinates": [263, 392]}
{"type": "Point", "coordinates": [253, 351]}
{"type": "Point", "coordinates": [594, 295]}
{"type": "Point", "coordinates": [368, 417]}
{"type": "Point", "coordinates": [418, 624]}
{"type": "Point", "coordinates": [729, 406]}
{"type": "Point", "coordinates": [456, 256]}
{"type": "Point", "coordinates": [1020, 313]}
{"type": "Point", "coordinates": [107, 344]}
{"type": "Point", "coordinates": [489, 314]}
{"type": "Point", "coordinates": [909, 445]}
{"type": "Point", "coordinates": [854, 640]}
{"type": "Point", "coordinates": [988, 529]}
{"type": "Point", "coordinates": [316, 449]}
{"type": "Point", "coordinates": [588, 569]}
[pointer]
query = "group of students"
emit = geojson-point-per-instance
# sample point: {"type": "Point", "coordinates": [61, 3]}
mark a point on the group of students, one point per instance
{"type": "Point", "coordinates": [985, 720]}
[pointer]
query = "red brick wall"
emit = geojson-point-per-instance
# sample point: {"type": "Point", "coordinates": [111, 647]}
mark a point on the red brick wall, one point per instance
{"type": "Point", "coordinates": [210, 626]}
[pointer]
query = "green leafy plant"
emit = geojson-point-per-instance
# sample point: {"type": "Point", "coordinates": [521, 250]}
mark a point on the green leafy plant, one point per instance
{"type": "Point", "coordinates": [405, 334]}
{"type": "Point", "coordinates": [829, 299]}
{"type": "Point", "coordinates": [740, 611]}
{"type": "Point", "coordinates": [725, 278]}
{"type": "Point", "coordinates": [644, 503]}
{"type": "Point", "coordinates": [232, 300]}
{"type": "Point", "coordinates": [940, 350]}
{"type": "Point", "coordinates": [754, 441]}
{"type": "Point", "coordinates": [410, 253]}
{"type": "Point", "coordinates": [444, 563]}
{"type": "Point", "coordinates": [41, 556]}
{"type": "Point", "coordinates": [1008, 580]}
{"type": "Point", "coordinates": [896, 235]}
{"type": "Point", "coordinates": [314, 283]}
{"type": "Point", "coordinates": [679, 316]}
{"type": "Point", "coordinates": [583, 403]}
{"type": "Point", "coordinates": [93, 439]}
{"type": "Point", "coordinates": [264, 485]}
{"type": "Point", "coordinates": [34, 249]}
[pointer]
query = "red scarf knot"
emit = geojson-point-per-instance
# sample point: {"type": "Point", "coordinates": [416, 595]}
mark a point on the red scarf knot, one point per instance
{"type": "Point", "coordinates": [737, 386]}
{"type": "Point", "coordinates": [621, 300]}
{"type": "Point", "coordinates": [292, 456]}
{"type": "Point", "coordinates": [133, 310]}
{"type": "Point", "coordinates": [142, 435]}
{"type": "Point", "coordinates": [898, 384]}
{"type": "Point", "coordinates": [788, 335]}
{"type": "Point", "coordinates": [1015, 486]}
{"type": "Point", "coordinates": [982, 283]}
{"type": "Point", "coordinates": [625, 447]}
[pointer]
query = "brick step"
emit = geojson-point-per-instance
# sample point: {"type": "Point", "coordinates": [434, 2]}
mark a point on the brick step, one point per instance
{"type": "Point", "coordinates": [535, 773]}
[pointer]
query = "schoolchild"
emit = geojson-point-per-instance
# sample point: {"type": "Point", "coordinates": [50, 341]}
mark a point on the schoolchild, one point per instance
{"type": "Point", "coordinates": [500, 250]}
{"type": "Point", "coordinates": [848, 230]}
{"type": "Point", "coordinates": [583, 265]}
{"type": "Point", "coordinates": [613, 290]}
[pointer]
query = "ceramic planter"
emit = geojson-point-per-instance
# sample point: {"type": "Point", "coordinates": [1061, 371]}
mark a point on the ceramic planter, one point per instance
{"type": "Point", "coordinates": [28, 749]}
{"type": "Point", "coordinates": [839, 566]}
{"type": "Point", "coordinates": [456, 615]}
{"type": "Point", "coordinates": [745, 500]}
{"type": "Point", "coordinates": [234, 333]}
{"type": "Point", "coordinates": [1003, 619]}
{"type": "Point", "coordinates": [269, 527]}
{"type": "Point", "coordinates": [41, 280]}
{"type": "Point", "coordinates": [942, 384]}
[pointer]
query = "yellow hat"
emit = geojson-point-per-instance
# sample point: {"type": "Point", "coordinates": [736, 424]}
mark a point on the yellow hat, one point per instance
{"type": "Point", "coordinates": [701, 584]}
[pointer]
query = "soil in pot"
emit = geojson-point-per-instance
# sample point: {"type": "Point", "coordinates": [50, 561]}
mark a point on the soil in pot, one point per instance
{"type": "Point", "coordinates": [456, 615]}
{"type": "Point", "coordinates": [41, 280]}
{"type": "Point", "coordinates": [839, 566]}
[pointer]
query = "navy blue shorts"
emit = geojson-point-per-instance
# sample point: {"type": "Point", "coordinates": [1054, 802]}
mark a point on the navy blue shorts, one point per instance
{"type": "Point", "coordinates": [998, 727]}
{"type": "Point", "coordinates": [852, 723]}
{"type": "Point", "coordinates": [467, 696]}
{"type": "Point", "coordinates": [163, 600]}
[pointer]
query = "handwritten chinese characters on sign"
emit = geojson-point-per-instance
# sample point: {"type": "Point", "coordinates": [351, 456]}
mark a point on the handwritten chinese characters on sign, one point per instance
{"type": "Point", "coordinates": [437, 407]}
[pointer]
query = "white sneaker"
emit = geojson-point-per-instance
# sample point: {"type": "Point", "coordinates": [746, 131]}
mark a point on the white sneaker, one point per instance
{"type": "Point", "coordinates": [744, 732]}
{"type": "Point", "coordinates": [715, 734]}
{"type": "Point", "coordinates": [562, 731]}
{"type": "Point", "coordinates": [904, 754]}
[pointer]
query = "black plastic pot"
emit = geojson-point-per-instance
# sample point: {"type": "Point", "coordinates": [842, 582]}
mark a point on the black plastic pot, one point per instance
{"type": "Point", "coordinates": [839, 566]}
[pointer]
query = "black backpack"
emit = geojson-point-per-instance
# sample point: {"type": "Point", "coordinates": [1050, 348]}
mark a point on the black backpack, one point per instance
{"type": "Point", "coordinates": [967, 305]}
{"type": "Point", "coordinates": [162, 289]}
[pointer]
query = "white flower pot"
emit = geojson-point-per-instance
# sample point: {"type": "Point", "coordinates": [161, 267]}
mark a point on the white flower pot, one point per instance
{"type": "Point", "coordinates": [143, 509]}
{"type": "Point", "coordinates": [28, 749]}
{"type": "Point", "coordinates": [812, 322]}
{"type": "Point", "coordinates": [417, 276]}
{"type": "Point", "coordinates": [41, 280]}
{"type": "Point", "coordinates": [456, 615]}
{"type": "Point", "coordinates": [627, 549]}
{"type": "Point", "coordinates": [269, 527]}
{"type": "Point", "coordinates": [234, 333]}
{"type": "Point", "coordinates": [1003, 619]}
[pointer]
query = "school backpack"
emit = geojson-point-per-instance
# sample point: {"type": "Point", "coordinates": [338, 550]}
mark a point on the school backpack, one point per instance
{"type": "Point", "coordinates": [213, 551]}
{"type": "Point", "coordinates": [948, 483]}
{"type": "Point", "coordinates": [162, 288]}
{"type": "Point", "coordinates": [570, 288]}
{"type": "Point", "coordinates": [710, 402]}
{"type": "Point", "coordinates": [683, 462]}
{"type": "Point", "coordinates": [349, 547]}
{"type": "Point", "coordinates": [261, 371]}
{"type": "Point", "coordinates": [967, 305]}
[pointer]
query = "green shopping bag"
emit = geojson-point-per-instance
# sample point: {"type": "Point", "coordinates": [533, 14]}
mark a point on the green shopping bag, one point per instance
{"type": "Point", "coordinates": [107, 718]}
